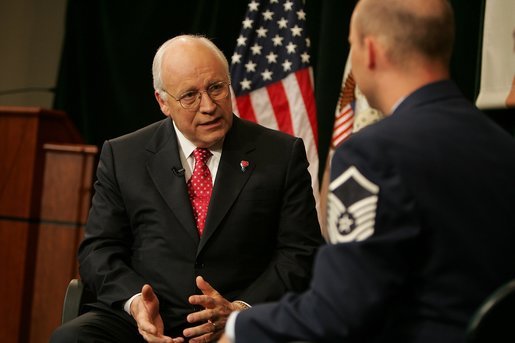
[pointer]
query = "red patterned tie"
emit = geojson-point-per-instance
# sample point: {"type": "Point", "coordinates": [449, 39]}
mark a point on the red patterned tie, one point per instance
{"type": "Point", "coordinates": [200, 186]}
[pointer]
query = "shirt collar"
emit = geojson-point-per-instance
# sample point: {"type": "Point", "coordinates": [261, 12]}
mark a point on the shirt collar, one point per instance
{"type": "Point", "coordinates": [397, 103]}
{"type": "Point", "coordinates": [186, 147]}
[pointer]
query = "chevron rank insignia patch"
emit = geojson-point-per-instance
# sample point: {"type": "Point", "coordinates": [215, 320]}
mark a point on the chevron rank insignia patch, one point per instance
{"type": "Point", "coordinates": [351, 207]}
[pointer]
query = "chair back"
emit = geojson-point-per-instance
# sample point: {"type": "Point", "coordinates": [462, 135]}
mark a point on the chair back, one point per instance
{"type": "Point", "coordinates": [76, 296]}
{"type": "Point", "coordinates": [494, 321]}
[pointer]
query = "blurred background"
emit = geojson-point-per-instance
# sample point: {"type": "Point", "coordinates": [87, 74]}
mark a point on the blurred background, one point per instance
{"type": "Point", "coordinates": [93, 58]}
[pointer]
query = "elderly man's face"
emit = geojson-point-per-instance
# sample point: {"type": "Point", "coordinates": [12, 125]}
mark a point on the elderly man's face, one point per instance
{"type": "Point", "coordinates": [190, 66]}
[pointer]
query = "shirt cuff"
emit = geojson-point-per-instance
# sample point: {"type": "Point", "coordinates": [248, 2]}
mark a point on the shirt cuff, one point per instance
{"type": "Point", "coordinates": [230, 327]}
{"type": "Point", "coordinates": [127, 305]}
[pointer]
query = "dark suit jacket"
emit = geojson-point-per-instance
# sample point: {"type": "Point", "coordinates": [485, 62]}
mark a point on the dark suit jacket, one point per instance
{"type": "Point", "coordinates": [261, 230]}
{"type": "Point", "coordinates": [443, 231]}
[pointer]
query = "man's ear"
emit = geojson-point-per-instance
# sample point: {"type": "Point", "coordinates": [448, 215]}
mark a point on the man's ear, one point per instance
{"type": "Point", "coordinates": [162, 104]}
{"type": "Point", "coordinates": [370, 52]}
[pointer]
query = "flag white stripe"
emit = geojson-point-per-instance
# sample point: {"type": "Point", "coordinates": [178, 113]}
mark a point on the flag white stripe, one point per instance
{"type": "Point", "coordinates": [342, 128]}
{"type": "Point", "coordinates": [302, 126]}
{"type": "Point", "coordinates": [300, 121]}
{"type": "Point", "coordinates": [263, 108]}
{"type": "Point", "coordinates": [344, 116]}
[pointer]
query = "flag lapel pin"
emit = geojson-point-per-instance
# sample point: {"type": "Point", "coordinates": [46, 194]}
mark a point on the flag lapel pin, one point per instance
{"type": "Point", "coordinates": [243, 165]}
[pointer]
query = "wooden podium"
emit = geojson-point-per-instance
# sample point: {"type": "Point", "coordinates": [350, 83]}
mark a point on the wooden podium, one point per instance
{"type": "Point", "coordinates": [45, 186]}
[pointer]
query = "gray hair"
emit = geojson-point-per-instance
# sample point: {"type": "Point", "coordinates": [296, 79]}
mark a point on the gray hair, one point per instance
{"type": "Point", "coordinates": [158, 59]}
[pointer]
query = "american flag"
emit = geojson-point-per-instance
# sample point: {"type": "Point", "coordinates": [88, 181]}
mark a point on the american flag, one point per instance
{"type": "Point", "coordinates": [352, 114]}
{"type": "Point", "coordinates": [344, 120]}
{"type": "Point", "coordinates": [352, 110]}
{"type": "Point", "coordinates": [271, 76]}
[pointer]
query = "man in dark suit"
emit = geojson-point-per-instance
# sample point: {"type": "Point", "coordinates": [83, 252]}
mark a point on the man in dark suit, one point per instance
{"type": "Point", "coordinates": [421, 204]}
{"type": "Point", "coordinates": [201, 195]}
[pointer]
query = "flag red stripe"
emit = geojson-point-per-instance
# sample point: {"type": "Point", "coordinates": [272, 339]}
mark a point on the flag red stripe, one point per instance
{"type": "Point", "coordinates": [340, 138]}
{"type": "Point", "coordinates": [281, 107]}
{"type": "Point", "coordinates": [343, 126]}
{"type": "Point", "coordinates": [306, 89]}
{"type": "Point", "coordinates": [343, 118]}
{"type": "Point", "coordinates": [245, 108]}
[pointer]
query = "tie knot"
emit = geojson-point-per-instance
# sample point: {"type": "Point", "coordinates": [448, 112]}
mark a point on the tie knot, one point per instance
{"type": "Point", "coordinates": [201, 155]}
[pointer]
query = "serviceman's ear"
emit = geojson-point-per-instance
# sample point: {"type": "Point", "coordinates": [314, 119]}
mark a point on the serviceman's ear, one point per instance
{"type": "Point", "coordinates": [370, 52]}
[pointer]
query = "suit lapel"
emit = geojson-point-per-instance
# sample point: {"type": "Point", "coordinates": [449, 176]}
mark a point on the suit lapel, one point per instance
{"type": "Point", "coordinates": [230, 177]}
{"type": "Point", "coordinates": [171, 186]}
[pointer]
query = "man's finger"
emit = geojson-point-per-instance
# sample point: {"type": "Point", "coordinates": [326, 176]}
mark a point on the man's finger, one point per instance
{"type": "Point", "coordinates": [159, 339]}
{"type": "Point", "coordinates": [205, 287]}
{"type": "Point", "coordinates": [201, 331]}
{"type": "Point", "coordinates": [147, 293]}
{"type": "Point", "coordinates": [203, 300]}
{"type": "Point", "coordinates": [199, 316]}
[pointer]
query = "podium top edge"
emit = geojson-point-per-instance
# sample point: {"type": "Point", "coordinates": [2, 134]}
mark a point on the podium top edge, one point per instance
{"type": "Point", "coordinates": [83, 148]}
{"type": "Point", "coordinates": [30, 111]}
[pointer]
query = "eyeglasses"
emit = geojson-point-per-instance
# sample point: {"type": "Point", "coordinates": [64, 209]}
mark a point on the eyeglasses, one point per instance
{"type": "Point", "coordinates": [191, 100]}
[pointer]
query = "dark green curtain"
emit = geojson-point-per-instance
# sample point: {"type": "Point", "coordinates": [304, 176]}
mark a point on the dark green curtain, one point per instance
{"type": "Point", "coordinates": [105, 81]}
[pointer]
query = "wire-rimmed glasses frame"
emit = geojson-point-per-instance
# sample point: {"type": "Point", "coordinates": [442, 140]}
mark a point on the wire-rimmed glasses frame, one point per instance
{"type": "Point", "coordinates": [191, 99]}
